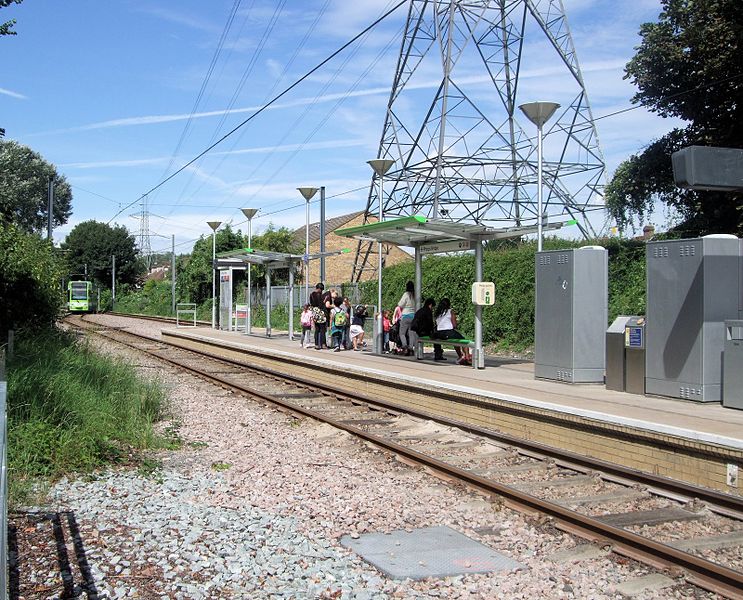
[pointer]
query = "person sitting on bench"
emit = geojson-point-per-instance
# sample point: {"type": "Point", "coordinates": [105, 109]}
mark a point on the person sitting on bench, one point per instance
{"type": "Point", "coordinates": [446, 329]}
{"type": "Point", "coordinates": [423, 324]}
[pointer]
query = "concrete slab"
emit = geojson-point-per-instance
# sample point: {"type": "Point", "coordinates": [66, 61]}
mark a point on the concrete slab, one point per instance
{"type": "Point", "coordinates": [578, 553]}
{"type": "Point", "coordinates": [428, 552]}
{"type": "Point", "coordinates": [649, 583]}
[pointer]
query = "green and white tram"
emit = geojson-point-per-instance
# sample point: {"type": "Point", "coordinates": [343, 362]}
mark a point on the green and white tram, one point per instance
{"type": "Point", "coordinates": [79, 296]}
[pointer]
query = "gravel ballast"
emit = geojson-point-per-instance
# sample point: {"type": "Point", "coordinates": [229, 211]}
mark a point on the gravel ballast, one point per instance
{"type": "Point", "coordinates": [254, 503]}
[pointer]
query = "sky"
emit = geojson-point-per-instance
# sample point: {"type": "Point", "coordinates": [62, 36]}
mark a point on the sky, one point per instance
{"type": "Point", "coordinates": [120, 95]}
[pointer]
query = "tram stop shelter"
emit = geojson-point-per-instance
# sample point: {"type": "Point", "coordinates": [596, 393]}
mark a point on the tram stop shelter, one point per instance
{"type": "Point", "coordinates": [239, 260]}
{"type": "Point", "coordinates": [437, 236]}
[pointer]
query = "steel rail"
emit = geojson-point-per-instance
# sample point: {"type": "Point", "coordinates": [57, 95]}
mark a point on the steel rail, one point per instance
{"type": "Point", "coordinates": [733, 504]}
{"type": "Point", "coordinates": [699, 571]}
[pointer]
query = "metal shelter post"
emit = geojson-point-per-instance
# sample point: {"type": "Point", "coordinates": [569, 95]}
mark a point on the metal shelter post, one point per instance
{"type": "Point", "coordinates": [249, 214]}
{"type": "Point", "coordinates": [268, 302]}
{"type": "Point", "coordinates": [418, 277]}
{"type": "Point", "coordinates": [291, 304]}
{"type": "Point", "coordinates": [479, 358]}
{"type": "Point", "coordinates": [322, 234]}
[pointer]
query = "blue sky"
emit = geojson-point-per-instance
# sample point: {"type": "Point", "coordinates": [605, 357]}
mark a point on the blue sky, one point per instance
{"type": "Point", "coordinates": [104, 90]}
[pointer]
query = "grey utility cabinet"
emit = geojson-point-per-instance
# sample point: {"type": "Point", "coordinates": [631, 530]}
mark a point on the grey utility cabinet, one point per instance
{"type": "Point", "coordinates": [571, 314]}
{"type": "Point", "coordinates": [693, 286]}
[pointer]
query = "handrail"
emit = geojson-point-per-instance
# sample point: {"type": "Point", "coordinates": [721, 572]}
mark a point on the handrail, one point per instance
{"type": "Point", "coordinates": [185, 308]}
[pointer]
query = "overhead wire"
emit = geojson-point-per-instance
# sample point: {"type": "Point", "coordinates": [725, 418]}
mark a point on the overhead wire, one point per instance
{"type": "Point", "coordinates": [205, 82]}
{"type": "Point", "coordinates": [265, 106]}
{"type": "Point", "coordinates": [262, 215]}
{"type": "Point", "coordinates": [324, 120]}
{"type": "Point", "coordinates": [268, 95]}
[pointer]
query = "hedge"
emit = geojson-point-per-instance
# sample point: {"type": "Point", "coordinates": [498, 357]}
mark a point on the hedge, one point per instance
{"type": "Point", "coordinates": [510, 322]}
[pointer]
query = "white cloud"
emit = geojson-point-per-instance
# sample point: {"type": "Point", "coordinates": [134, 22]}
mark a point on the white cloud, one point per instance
{"type": "Point", "coordinates": [13, 94]}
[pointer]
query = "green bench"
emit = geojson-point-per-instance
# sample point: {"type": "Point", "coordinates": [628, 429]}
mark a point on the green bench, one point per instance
{"type": "Point", "coordinates": [452, 343]}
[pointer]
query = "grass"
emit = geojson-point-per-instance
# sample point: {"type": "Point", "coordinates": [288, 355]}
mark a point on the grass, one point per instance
{"type": "Point", "coordinates": [72, 410]}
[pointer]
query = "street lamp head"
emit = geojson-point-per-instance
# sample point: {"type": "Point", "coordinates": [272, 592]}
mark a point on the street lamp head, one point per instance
{"type": "Point", "coordinates": [539, 112]}
{"type": "Point", "coordinates": [214, 224]}
{"type": "Point", "coordinates": [307, 192]}
{"type": "Point", "coordinates": [249, 212]}
{"type": "Point", "coordinates": [381, 165]}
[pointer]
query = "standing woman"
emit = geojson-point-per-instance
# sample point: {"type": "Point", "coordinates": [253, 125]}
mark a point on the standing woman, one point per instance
{"type": "Point", "coordinates": [446, 329]}
{"type": "Point", "coordinates": [408, 338]}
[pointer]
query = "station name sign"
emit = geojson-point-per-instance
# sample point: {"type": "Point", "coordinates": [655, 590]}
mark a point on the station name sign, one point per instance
{"type": "Point", "coordinates": [456, 246]}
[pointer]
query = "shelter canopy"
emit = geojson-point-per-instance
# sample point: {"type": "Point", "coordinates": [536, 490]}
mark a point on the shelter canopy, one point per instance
{"type": "Point", "coordinates": [243, 256]}
{"type": "Point", "coordinates": [418, 231]}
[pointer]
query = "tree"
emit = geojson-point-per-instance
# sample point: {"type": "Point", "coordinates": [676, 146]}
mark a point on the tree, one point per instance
{"type": "Point", "coordinates": [24, 189]}
{"type": "Point", "coordinates": [90, 246]}
{"type": "Point", "coordinates": [7, 27]}
{"type": "Point", "coordinates": [194, 279]}
{"type": "Point", "coordinates": [687, 66]}
{"type": "Point", "coordinates": [30, 281]}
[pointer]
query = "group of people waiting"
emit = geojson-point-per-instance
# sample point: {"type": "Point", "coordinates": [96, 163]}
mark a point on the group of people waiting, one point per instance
{"type": "Point", "coordinates": [329, 313]}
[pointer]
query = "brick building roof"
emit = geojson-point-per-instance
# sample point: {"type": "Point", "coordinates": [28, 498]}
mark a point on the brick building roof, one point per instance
{"type": "Point", "coordinates": [330, 225]}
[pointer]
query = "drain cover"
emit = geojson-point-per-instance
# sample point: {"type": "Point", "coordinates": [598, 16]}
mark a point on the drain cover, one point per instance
{"type": "Point", "coordinates": [427, 552]}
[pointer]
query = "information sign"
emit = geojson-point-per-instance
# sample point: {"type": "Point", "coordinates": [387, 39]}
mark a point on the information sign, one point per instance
{"type": "Point", "coordinates": [633, 337]}
{"type": "Point", "coordinates": [455, 246]}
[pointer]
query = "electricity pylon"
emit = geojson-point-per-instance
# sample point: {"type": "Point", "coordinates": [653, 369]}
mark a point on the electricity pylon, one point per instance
{"type": "Point", "coordinates": [462, 149]}
{"type": "Point", "coordinates": [145, 247]}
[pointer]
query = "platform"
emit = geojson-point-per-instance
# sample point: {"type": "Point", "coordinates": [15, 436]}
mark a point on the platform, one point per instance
{"type": "Point", "coordinates": [697, 442]}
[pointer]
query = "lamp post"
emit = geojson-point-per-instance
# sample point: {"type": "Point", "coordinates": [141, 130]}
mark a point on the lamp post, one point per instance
{"type": "Point", "coordinates": [249, 214]}
{"type": "Point", "coordinates": [307, 194]}
{"type": "Point", "coordinates": [539, 113]}
{"type": "Point", "coordinates": [214, 225]}
{"type": "Point", "coordinates": [380, 166]}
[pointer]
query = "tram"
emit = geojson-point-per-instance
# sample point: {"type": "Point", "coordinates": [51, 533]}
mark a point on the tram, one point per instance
{"type": "Point", "coordinates": [79, 296]}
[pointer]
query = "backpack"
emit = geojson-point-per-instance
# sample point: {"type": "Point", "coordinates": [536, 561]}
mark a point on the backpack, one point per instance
{"type": "Point", "coordinates": [318, 315]}
{"type": "Point", "coordinates": [340, 319]}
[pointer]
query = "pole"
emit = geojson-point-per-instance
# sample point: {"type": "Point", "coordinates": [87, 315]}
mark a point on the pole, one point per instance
{"type": "Point", "coordinates": [322, 233]}
{"type": "Point", "coordinates": [540, 209]}
{"type": "Point", "coordinates": [113, 282]}
{"type": "Point", "coordinates": [248, 315]}
{"type": "Point", "coordinates": [478, 360]}
{"type": "Point", "coordinates": [379, 339]}
{"type": "Point", "coordinates": [268, 302]}
{"type": "Point", "coordinates": [51, 209]}
{"type": "Point", "coordinates": [418, 277]}
{"type": "Point", "coordinates": [214, 283]}
{"type": "Point", "coordinates": [172, 274]}
{"type": "Point", "coordinates": [291, 302]}
{"type": "Point", "coordinates": [307, 254]}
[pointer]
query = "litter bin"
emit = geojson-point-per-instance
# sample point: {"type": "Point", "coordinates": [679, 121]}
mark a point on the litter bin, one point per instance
{"type": "Point", "coordinates": [615, 354]}
{"type": "Point", "coordinates": [732, 365]}
{"type": "Point", "coordinates": [634, 355]}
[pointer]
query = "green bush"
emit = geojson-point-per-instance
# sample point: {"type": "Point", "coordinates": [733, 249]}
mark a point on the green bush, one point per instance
{"type": "Point", "coordinates": [31, 292]}
{"type": "Point", "coordinates": [70, 409]}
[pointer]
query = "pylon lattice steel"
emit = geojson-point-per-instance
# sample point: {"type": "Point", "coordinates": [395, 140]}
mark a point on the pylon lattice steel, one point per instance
{"type": "Point", "coordinates": [453, 126]}
{"type": "Point", "coordinates": [145, 247]}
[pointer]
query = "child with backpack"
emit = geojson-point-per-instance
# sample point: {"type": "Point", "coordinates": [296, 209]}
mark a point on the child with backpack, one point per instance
{"type": "Point", "coordinates": [338, 320]}
{"type": "Point", "coordinates": [306, 320]}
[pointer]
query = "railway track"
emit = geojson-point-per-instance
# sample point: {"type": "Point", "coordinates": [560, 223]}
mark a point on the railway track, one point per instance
{"type": "Point", "coordinates": [669, 525]}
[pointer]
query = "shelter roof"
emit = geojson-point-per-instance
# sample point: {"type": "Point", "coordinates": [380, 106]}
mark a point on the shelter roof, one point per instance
{"type": "Point", "coordinates": [272, 260]}
{"type": "Point", "coordinates": [417, 231]}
